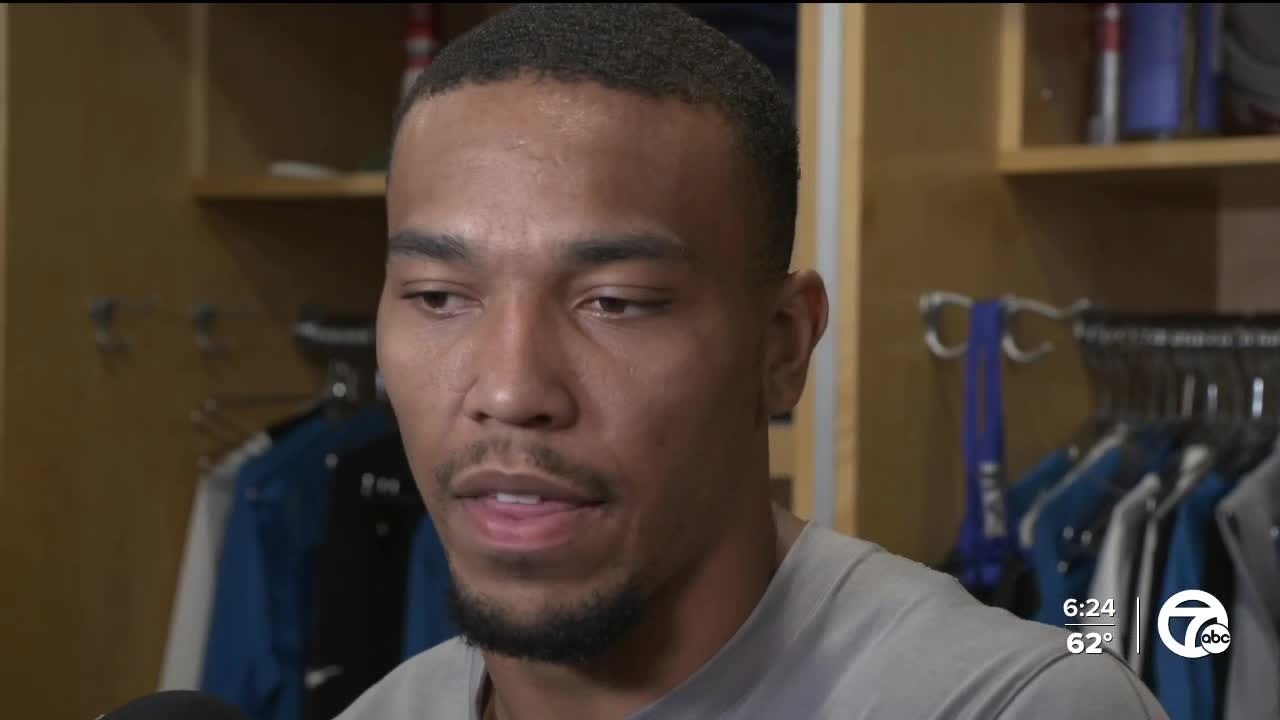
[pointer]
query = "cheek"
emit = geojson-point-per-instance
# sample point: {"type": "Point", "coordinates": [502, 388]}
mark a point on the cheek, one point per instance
{"type": "Point", "coordinates": [674, 414]}
{"type": "Point", "coordinates": [421, 381]}
{"type": "Point", "coordinates": [424, 363]}
{"type": "Point", "coordinates": [678, 432]}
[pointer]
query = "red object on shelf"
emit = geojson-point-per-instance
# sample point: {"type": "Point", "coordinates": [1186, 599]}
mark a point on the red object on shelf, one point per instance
{"type": "Point", "coordinates": [1104, 126]}
{"type": "Point", "coordinates": [420, 44]}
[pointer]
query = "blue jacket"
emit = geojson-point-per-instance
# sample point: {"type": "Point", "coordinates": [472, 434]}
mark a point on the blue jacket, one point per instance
{"type": "Point", "coordinates": [256, 654]}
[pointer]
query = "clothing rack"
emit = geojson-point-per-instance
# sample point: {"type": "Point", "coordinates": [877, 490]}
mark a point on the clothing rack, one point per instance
{"type": "Point", "coordinates": [321, 331]}
{"type": "Point", "coordinates": [311, 529]}
{"type": "Point", "coordinates": [1232, 332]}
{"type": "Point", "coordinates": [1169, 491]}
{"type": "Point", "coordinates": [346, 344]}
{"type": "Point", "coordinates": [1183, 365]}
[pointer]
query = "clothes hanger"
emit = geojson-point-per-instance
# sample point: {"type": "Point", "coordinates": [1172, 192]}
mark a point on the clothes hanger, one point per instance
{"type": "Point", "coordinates": [226, 439]}
{"type": "Point", "coordinates": [1144, 358]}
{"type": "Point", "coordinates": [1253, 362]}
{"type": "Point", "coordinates": [1103, 430]}
{"type": "Point", "coordinates": [302, 407]}
{"type": "Point", "coordinates": [1094, 343]}
{"type": "Point", "coordinates": [1189, 407]}
{"type": "Point", "coordinates": [1226, 424]}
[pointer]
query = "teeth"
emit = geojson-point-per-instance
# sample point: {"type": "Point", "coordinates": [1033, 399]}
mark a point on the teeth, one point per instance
{"type": "Point", "coordinates": [519, 499]}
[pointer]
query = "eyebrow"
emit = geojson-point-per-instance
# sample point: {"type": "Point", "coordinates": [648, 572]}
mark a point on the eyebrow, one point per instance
{"type": "Point", "coordinates": [623, 247]}
{"type": "Point", "coordinates": [434, 246]}
{"type": "Point", "coordinates": [592, 250]}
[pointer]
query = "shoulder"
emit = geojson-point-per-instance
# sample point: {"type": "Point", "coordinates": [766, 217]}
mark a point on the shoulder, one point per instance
{"type": "Point", "coordinates": [899, 603]}
{"type": "Point", "coordinates": [1074, 686]}
{"type": "Point", "coordinates": [894, 617]}
{"type": "Point", "coordinates": [439, 682]}
{"type": "Point", "coordinates": [882, 584]}
{"type": "Point", "coordinates": [887, 603]}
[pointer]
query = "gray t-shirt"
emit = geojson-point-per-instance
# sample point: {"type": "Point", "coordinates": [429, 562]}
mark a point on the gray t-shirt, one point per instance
{"type": "Point", "coordinates": [845, 630]}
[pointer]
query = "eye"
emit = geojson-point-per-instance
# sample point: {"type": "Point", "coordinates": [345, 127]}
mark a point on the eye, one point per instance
{"type": "Point", "coordinates": [439, 302]}
{"type": "Point", "coordinates": [621, 307]}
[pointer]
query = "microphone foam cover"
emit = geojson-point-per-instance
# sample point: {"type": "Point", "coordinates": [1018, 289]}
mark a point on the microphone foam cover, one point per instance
{"type": "Point", "coordinates": [176, 705]}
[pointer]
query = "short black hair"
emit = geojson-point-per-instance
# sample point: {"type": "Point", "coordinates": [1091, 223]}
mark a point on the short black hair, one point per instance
{"type": "Point", "coordinates": [656, 50]}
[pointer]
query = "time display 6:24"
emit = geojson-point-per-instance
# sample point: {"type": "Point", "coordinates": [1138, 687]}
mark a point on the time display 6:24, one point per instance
{"type": "Point", "coordinates": [1089, 608]}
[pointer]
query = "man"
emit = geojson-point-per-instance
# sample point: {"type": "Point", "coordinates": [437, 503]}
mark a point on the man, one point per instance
{"type": "Point", "coordinates": [588, 319]}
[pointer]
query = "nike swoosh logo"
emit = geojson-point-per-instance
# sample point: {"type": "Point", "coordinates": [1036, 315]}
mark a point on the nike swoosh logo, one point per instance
{"type": "Point", "coordinates": [319, 676]}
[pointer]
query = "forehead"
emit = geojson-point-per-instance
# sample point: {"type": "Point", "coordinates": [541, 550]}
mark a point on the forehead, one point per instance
{"type": "Point", "coordinates": [515, 162]}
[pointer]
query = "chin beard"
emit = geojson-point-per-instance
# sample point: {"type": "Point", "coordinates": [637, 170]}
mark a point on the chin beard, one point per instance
{"type": "Point", "coordinates": [571, 635]}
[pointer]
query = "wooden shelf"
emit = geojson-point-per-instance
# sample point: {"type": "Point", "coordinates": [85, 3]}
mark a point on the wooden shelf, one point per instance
{"type": "Point", "coordinates": [266, 187]}
{"type": "Point", "coordinates": [782, 452]}
{"type": "Point", "coordinates": [1208, 154]}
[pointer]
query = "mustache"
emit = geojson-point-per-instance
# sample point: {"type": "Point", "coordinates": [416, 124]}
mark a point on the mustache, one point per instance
{"type": "Point", "coordinates": [544, 458]}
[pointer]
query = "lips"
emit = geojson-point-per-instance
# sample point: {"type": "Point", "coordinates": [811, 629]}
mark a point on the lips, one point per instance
{"type": "Point", "coordinates": [525, 513]}
{"type": "Point", "coordinates": [527, 506]}
{"type": "Point", "coordinates": [521, 489]}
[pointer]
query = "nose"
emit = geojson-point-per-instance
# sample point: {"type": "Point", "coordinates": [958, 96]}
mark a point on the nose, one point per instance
{"type": "Point", "coordinates": [520, 376]}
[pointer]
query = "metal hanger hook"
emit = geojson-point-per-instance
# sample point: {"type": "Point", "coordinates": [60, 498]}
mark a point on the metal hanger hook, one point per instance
{"type": "Point", "coordinates": [1014, 305]}
{"type": "Point", "coordinates": [203, 318]}
{"type": "Point", "coordinates": [103, 310]}
{"type": "Point", "coordinates": [931, 304]}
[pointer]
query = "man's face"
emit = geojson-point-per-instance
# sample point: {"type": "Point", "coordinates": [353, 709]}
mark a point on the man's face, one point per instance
{"type": "Point", "coordinates": [570, 336]}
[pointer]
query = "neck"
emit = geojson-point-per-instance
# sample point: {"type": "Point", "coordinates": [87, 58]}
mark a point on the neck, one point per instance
{"type": "Point", "coordinates": [687, 623]}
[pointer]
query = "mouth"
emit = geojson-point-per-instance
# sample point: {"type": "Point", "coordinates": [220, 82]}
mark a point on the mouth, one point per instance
{"type": "Point", "coordinates": [525, 513]}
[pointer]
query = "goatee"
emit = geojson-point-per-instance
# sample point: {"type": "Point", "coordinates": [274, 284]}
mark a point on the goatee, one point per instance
{"type": "Point", "coordinates": [563, 635]}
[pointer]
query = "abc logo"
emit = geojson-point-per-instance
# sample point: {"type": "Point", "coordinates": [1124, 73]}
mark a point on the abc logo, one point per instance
{"type": "Point", "coordinates": [1215, 639]}
{"type": "Point", "coordinates": [1206, 624]}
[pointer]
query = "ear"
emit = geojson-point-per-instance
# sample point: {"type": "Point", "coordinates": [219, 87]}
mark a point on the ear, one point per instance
{"type": "Point", "coordinates": [798, 322]}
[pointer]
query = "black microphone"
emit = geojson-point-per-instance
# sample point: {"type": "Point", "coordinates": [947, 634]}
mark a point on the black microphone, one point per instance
{"type": "Point", "coordinates": [176, 705]}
